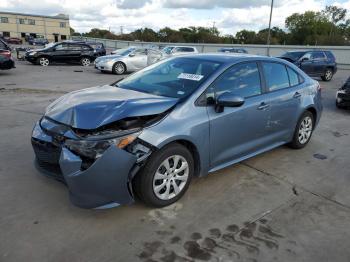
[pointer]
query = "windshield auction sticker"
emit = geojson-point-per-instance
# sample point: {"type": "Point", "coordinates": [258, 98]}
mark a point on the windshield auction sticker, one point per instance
{"type": "Point", "coordinates": [190, 77]}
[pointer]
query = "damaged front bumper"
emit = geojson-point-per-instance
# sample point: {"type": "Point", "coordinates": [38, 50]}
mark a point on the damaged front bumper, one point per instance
{"type": "Point", "coordinates": [104, 184]}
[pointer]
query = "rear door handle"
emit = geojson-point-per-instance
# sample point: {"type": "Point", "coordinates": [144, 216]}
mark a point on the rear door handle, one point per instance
{"type": "Point", "coordinates": [263, 106]}
{"type": "Point", "coordinates": [297, 95]}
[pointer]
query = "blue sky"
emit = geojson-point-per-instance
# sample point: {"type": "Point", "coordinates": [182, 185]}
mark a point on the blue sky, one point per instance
{"type": "Point", "coordinates": [229, 16]}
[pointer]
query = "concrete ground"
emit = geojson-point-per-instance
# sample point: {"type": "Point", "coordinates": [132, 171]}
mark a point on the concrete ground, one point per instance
{"type": "Point", "coordinates": [284, 205]}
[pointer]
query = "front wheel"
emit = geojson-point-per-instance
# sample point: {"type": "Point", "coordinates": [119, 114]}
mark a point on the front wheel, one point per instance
{"type": "Point", "coordinates": [85, 61]}
{"type": "Point", "coordinates": [44, 61]}
{"type": "Point", "coordinates": [165, 177]}
{"type": "Point", "coordinates": [119, 68]}
{"type": "Point", "coordinates": [328, 75]}
{"type": "Point", "coordinates": [303, 131]}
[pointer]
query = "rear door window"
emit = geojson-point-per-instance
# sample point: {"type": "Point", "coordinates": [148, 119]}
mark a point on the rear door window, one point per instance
{"type": "Point", "coordinates": [318, 56]}
{"type": "Point", "coordinates": [276, 76]}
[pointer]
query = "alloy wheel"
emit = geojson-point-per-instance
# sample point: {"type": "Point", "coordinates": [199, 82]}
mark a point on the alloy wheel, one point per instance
{"type": "Point", "coordinates": [171, 177]}
{"type": "Point", "coordinates": [85, 62]}
{"type": "Point", "coordinates": [44, 61]}
{"type": "Point", "coordinates": [305, 130]}
{"type": "Point", "coordinates": [119, 68]}
{"type": "Point", "coordinates": [328, 75]}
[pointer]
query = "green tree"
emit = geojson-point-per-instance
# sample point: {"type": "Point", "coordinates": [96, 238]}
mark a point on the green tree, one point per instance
{"type": "Point", "coordinates": [246, 37]}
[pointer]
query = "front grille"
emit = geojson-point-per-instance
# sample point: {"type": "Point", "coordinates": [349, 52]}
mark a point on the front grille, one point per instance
{"type": "Point", "coordinates": [345, 97]}
{"type": "Point", "coordinates": [48, 155]}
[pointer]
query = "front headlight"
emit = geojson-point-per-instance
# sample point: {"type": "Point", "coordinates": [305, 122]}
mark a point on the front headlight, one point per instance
{"type": "Point", "coordinates": [95, 148]}
{"type": "Point", "coordinates": [32, 53]}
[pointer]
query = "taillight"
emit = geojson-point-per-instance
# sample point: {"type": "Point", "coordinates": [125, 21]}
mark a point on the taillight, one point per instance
{"type": "Point", "coordinates": [5, 53]}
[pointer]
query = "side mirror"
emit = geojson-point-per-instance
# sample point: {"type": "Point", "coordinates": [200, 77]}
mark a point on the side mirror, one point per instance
{"type": "Point", "coordinates": [228, 100]}
{"type": "Point", "coordinates": [131, 54]}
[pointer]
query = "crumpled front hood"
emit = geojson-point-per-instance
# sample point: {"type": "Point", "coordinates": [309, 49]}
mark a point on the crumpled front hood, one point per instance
{"type": "Point", "coordinates": [94, 107]}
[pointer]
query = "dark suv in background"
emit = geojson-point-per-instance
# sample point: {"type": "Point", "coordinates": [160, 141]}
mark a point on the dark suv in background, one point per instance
{"type": "Point", "coordinates": [6, 61]}
{"type": "Point", "coordinates": [63, 53]}
{"type": "Point", "coordinates": [317, 63]}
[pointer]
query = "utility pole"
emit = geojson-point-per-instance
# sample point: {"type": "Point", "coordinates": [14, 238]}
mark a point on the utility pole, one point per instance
{"type": "Point", "coordinates": [121, 29]}
{"type": "Point", "coordinates": [269, 33]}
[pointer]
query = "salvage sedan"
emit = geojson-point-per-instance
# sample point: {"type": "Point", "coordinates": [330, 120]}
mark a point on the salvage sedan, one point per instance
{"type": "Point", "coordinates": [125, 60]}
{"type": "Point", "coordinates": [149, 134]}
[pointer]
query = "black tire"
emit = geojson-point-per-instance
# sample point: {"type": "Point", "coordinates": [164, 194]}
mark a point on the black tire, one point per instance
{"type": "Point", "coordinates": [143, 182]}
{"type": "Point", "coordinates": [119, 68]}
{"type": "Point", "coordinates": [295, 143]}
{"type": "Point", "coordinates": [328, 75]}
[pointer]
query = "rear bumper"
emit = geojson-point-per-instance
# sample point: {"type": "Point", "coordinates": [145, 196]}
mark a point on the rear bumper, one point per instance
{"type": "Point", "coordinates": [104, 184]}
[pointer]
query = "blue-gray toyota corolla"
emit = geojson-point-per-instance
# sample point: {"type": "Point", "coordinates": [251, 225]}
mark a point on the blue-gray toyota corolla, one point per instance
{"type": "Point", "coordinates": [150, 133]}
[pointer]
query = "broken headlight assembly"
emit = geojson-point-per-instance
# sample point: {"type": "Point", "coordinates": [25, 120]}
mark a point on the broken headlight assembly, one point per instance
{"type": "Point", "coordinates": [94, 147]}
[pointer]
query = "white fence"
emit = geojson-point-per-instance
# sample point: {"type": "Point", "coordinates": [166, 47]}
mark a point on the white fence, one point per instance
{"type": "Point", "coordinates": [342, 53]}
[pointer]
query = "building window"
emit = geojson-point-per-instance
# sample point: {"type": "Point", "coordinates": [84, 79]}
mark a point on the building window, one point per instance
{"type": "Point", "coordinates": [62, 24]}
{"type": "Point", "coordinates": [6, 34]}
{"type": "Point", "coordinates": [21, 21]}
{"type": "Point", "coordinates": [31, 22]}
{"type": "Point", "coordinates": [63, 37]}
{"type": "Point", "coordinates": [4, 19]}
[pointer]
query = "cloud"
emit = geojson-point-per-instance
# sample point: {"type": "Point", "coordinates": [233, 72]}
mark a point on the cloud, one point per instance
{"type": "Point", "coordinates": [230, 15]}
{"type": "Point", "coordinates": [131, 4]}
{"type": "Point", "coordinates": [209, 4]}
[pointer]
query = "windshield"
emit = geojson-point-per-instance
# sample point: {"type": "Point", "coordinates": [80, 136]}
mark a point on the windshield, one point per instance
{"type": "Point", "coordinates": [176, 78]}
{"type": "Point", "coordinates": [168, 49]}
{"type": "Point", "coordinates": [123, 51]}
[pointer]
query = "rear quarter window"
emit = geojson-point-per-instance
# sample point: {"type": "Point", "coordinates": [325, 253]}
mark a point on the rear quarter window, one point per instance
{"type": "Point", "coordinates": [294, 77]}
{"type": "Point", "coordinates": [330, 55]}
{"type": "Point", "coordinates": [276, 75]}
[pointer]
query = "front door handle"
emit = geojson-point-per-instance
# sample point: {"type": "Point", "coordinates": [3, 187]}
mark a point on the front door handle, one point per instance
{"type": "Point", "coordinates": [263, 106]}
{"type": "Point", "coordinates": [297, 95]}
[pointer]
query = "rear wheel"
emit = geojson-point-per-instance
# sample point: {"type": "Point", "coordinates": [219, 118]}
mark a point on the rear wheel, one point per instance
{"type": "Point", "coordinates": [43, 61]}
{"type": "Point", "coordinates": [328, 75]}
{"type": "Point", "coordinates": [119, 68]}
{"type": "Point", "coordinates": [303, 131]}
{"type": "Point", "coordinates": [85, 61]}
{"type": "Point", "coordinates": [166, 176]}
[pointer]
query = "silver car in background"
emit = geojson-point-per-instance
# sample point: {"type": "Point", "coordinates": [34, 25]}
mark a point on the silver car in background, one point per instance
{"type": "Point", "coordinates": [179, 50]}
{"type": "Point", "coordinates": [155, 55]}
{"type": "Point", "coordinates": [124, 60]}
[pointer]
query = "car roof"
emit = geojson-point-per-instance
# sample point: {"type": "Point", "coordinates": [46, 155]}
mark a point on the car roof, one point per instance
{"type": "Point", "coordinates": [304, 51]}
{"type": "Point", "coordinates": [180, 46]}
{"type": "Point", "coordinates": [231, 58]}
